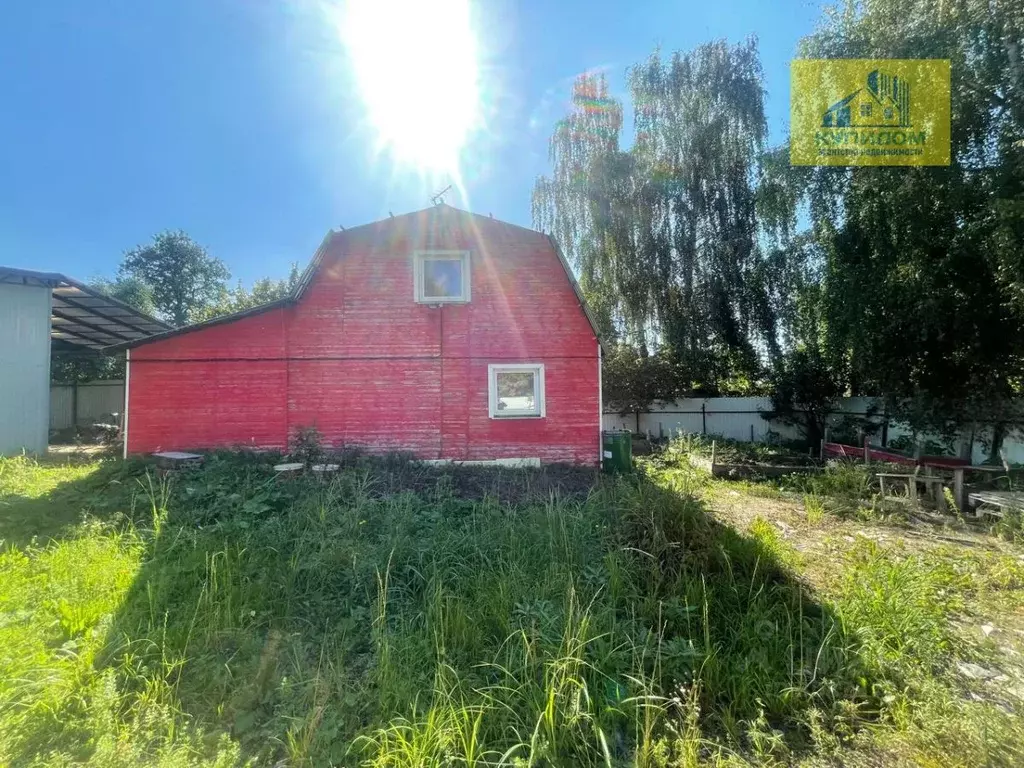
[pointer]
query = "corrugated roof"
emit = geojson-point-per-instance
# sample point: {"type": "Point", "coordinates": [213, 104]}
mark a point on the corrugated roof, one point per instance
{"type": "Point", "coordinates": [84, 316]}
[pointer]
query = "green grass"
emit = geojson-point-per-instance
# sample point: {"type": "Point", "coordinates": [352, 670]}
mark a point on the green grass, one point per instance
{"type": "Point", "coordinates": [729, 451]}
{"type": "Point", "coordinates": [400, 616]}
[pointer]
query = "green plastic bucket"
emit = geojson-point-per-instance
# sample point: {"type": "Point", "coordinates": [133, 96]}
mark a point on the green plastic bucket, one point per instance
{"type": "Point", "coordinates": [617, 451]}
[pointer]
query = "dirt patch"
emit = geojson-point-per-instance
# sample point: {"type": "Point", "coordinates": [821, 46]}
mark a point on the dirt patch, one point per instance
{"type": "Point", "coordinates": [739, 508]}
{"type": "Point", "coordinates": [914, 529]}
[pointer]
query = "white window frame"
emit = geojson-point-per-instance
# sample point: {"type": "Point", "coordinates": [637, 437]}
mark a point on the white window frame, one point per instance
{"type": "Point", "coordinates": [538, 412]}
{"type": "Point", "coordinates": [419, 258]}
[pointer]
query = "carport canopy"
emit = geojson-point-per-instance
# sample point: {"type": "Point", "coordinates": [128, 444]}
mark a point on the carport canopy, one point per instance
{"type": "Point", "coordinates": [84, 318]}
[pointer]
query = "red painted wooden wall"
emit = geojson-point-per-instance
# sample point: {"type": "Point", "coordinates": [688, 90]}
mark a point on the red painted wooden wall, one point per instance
{"type": "Point", "coordinates": [357, 357]}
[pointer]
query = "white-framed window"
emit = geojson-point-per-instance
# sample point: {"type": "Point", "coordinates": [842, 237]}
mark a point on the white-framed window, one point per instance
{"type": "Point", "coordinates": [515, 390]}
{"type": "Point", "coordinates": [441, 276]}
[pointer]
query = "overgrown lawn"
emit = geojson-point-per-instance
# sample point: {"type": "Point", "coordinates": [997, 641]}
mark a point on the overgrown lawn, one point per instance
{"type": "Point", "coordinates": [395, 615]}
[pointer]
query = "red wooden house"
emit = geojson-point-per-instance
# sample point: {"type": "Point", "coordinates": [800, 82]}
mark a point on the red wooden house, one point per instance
{"type": "Point", "coordinates": [440, 332]}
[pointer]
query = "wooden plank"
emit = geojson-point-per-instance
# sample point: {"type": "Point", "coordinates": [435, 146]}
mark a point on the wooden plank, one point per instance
{"type": "Point", "coordinates": [1002, 499]}
{"type": "Point", "coordinates": [920, 478]}
{"type": "Point", "coordinates": [958, 489]}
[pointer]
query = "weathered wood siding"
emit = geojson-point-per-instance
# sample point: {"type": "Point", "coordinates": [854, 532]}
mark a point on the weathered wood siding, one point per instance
{"type": "Point", "coordinates": [225, 385]}
{"type": "Point", "coordinates": [358, 358]}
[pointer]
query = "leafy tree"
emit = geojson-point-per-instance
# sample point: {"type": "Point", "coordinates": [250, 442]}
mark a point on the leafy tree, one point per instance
{"type": "Point", "coordinates": [804, 390]}
{"type": "Point", "coordinates": [922, 268]}
{"type": "Point", "coordinates": [631, 381]}
{"type": "Point", "coordinates": [908, 282]}
{"type": "Point", "coordinates": [665, 235]}
{"type": "Point", "coordinates": [70, 366]}
{"type": "Point", "coordinates": [183, 277]}
{"type": "Point", "coordinates": [128, 290]}
{"type": "Point", "coordinates": [264, 291]}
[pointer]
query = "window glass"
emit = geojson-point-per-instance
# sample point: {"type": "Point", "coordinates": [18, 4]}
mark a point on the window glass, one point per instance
{"type": "Point", "coordinates": [517, 391]}
{"type": "Point", "coordinates": [442, 278]}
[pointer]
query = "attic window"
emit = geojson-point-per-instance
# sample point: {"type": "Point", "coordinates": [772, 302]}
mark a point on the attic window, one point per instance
{"type": "Point", "coordinates": [441, 276]}
{"type": "Point", "coordinates": [516, 390]}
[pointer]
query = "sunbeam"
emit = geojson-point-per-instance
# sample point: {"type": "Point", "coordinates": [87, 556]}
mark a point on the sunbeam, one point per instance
{"type": "Point", "coordinates": [417, 71]}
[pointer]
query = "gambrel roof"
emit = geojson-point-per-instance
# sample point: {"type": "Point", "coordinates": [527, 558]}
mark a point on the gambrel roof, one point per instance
{"type": "Point", "coordinates": [433, 216]}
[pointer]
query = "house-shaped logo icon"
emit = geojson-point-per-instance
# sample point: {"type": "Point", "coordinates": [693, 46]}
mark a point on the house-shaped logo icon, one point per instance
{"type": "Point", "coordinates": [883, 103]}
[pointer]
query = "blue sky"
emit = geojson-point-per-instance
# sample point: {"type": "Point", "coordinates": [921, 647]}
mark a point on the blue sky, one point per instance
{"type": "Point", "coordinates": [239, 121]}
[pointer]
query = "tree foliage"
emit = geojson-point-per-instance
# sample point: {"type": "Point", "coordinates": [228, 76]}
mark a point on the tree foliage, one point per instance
{"type": "Point", "coordinates": [698, 243]}
{"type": "Point", "coordinates": [665, 235]}
{"type": "Point", "coordinates": [804, 390]}
{"type": "Point", "coordinates": [128, 290]}
{"type": "Point", "coordinates": [631, 381]}
{"type": "Point", "coordinates": [923, 268]}
{"type": "Point", "coordinates": [263, 291]}
{"type": "Point", "coordinates": [197, 293]}
{"type": "Point", "coordinates": [184, 279]}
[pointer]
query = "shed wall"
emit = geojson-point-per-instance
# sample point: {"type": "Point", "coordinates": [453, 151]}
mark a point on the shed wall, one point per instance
{"type": "Point", "coordinates": [359, 359]}
{"type": "Point", "coordinates": [24, 368]}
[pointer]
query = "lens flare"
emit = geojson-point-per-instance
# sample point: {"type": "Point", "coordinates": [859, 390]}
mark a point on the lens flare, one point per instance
{"type": "Point", "coordinates": [415, 63]}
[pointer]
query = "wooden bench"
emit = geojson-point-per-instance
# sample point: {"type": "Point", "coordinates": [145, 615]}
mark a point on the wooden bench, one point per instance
{"type": "Point", "coordinates": [996, 503]}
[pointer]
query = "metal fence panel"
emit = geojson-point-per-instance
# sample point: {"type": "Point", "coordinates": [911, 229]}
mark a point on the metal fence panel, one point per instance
{"type": "Point", "coordinates": [62, 403]}
{"type": "Point", "coordinates": [95, 401]}
{"type": "Point", "coordinates": [740, 418]}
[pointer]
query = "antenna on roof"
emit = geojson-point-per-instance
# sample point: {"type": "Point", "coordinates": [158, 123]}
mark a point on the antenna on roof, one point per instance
{"type": "Point", "coordinates": [391, 214]}
{"type": "Point", "coordinates": [341, 227]}
{"type": "Point", "coordinates": [439, 197]}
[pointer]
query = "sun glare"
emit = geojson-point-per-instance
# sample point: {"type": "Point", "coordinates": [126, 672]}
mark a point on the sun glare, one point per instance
{"type": "Point", "coordinates": [416, 65]}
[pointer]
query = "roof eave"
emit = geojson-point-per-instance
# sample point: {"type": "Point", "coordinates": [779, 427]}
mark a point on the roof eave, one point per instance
{"type": "Point", "coordinates": [578, 291]}
{"type": "Point", "coordinates": [294, 295]}
{"type": "Point", "coordinates": [310, 271]}
{"type": "Point", "coordinates": [220, 319]}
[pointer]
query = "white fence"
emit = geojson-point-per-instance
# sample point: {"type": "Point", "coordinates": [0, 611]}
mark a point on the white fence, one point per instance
{"type": "Point", "coordinates": [740, 418]}
{"type": "Point", "coordinates": [83, 404]}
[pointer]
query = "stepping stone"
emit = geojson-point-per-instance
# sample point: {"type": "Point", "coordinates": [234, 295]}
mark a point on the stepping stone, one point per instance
{"type": "Point", "coordinates": [177, 455]}
{"type": "Point", "coordinates": [325, 467]}
{"type": "Point", "coordinates": [976, 671]}
{"type": "Point", "coordinates": [296, 466]}
{"type": "Point", "coordinates": [174, 459]}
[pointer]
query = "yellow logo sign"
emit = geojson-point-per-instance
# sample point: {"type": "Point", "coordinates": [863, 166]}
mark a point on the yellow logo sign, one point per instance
{"type": "Point", "coordinates": [869, 112]}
